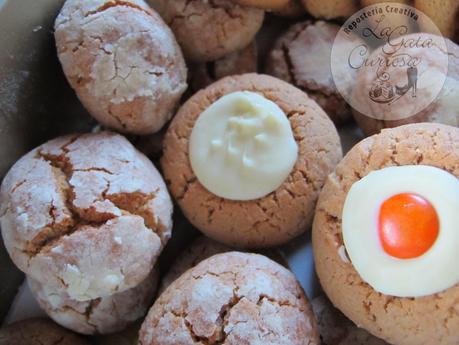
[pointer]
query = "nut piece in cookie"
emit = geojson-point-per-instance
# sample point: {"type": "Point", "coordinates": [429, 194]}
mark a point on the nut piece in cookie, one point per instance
{"type": "Point", "coordinates": [336, 329]}
{"type": "Point", "coordinates": [85, 214]}
{"type": "Point", "coordinates": [98, 316]}
{"type": "Point", "coordinates": [209, 30]}
{"type": "Point", "coordinates": [331, 9]}
{"type": "Point", "coordinates": [302, 57]}
{"type": "Point", "coordinates": [123, 62]}
{"type": "Point", "coordinates": [240, 62]}
{"type": "Point", "coordinates": [38, 332]}
{"type": "Point", "coordinates": [405, 289]}
{"type": "Point", "coordinates": [232, 298]}
{"type": "Point", "coordinates": [436, 94]}
{"type": "Point", "coordinates": [282, 214]}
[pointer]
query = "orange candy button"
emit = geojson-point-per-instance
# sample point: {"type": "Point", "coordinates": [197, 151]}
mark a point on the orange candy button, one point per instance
{"type": "Point", "coordinates": [408, 226]}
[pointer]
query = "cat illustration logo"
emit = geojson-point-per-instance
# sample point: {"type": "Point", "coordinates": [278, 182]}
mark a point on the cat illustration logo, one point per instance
{"type": "Point", "coordinates": [384, 92]}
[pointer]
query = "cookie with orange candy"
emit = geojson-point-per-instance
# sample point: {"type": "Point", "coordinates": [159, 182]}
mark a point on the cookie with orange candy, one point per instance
{"type": "Point", "coordinates": [385, 233]}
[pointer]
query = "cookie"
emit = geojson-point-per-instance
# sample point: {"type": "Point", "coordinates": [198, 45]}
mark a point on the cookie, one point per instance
{"type": "Point", "coordinates": [98, 316]}
{"type": "Point", "coordinates": [336, 329]}
{"type": "Point", "coordinates": [279, 216]}
{"type": "Point", "coordinates": [429, 319]}
{"type": "Point", "coordinates": [444, 13]}
{"type": "Point", "coordinates": [293, 9]}
{"type": "Point", "coordinates": [38, 332]}
{"type": "Point", "coordinates": [264, 4]}
{"type": "Point", "coordinates": [442, 110]}
{"type": "Point", "coordinates": [122, 61]}
{"type": "Point", "coordinates": [232, 298]}
{"type": "Point", "coordinates": [302, 57]}
{"type": "Point", "coordinates": [86, 214]}
{"type": "Point", "coordinates": [240, 62]}
{"type": "Point", "coordinates": [331, 9]}
{"type": "Point", "coordinates": [209, 30]}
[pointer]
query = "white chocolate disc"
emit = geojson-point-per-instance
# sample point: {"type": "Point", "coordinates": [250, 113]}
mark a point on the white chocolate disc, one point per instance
{"type": "Point", "coordinates": [242, 147]}
{"type": "Point", "coordinates": [432, 272]}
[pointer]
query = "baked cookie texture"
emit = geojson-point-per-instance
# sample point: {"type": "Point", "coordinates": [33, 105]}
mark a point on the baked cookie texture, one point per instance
{"type": "Point", "coordinates": [443, 110]}
{"type": "Point", "coordinates": [232, 298]}
{"type": "Point", "coordinates": [239, 62]}
{"type": "Point", "coordinates": [38, 332]}
{"type": "Point", "coordinates": [406, 321]}
{"type": "Point", "coordinates": [98, 316]}
{"type": "Point", "coordinates": [444, 13]}
{"type": "Point", "coordinates": [301, 56]}
{"type": "Point", "coordinates": [264, 4]}
{"type": "Point", "coordinates": [293, 9]}
{"type": "Point", "coordinates": [209, 30]}
{"type": "Point", "coordinates": [282, 214]}
{"type": "Point", "coordinates": [331, 9]}
{"type": "Point", "coordinates": [85, 214]}
{"type": "Point", "coordinates": [336, 329]}
{"type": "Point", "coordinates": [123, 62]}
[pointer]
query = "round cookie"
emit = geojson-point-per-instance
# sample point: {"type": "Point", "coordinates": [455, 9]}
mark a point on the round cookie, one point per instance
{"type": "Point", "coordinates": [293, 9]}
{"type": "Point", "coordinates": [444, 13]}
{"type": "Point", "coordinates": [123, 62]}
{"type": "Point", "coordinates": [264, 4]}
{"type": "Point", "coordinates": [85, 214]}
{"type": "Point", "coordinates": [38, 332]}
{"type": "Point", "coordinates": [98, 316]}
{"type": "Point", "coordinates": [232, 298]}
{"type": "Point", "coordinates": [240, 62]}
{"type": "Point", "coordinates": [331, 9]}
{"type": "Point", "coordinates": [209, 30]}
{"type": "Point", "coordinates": [442, 110]}
{"type": "Point", "coordinates": [336, 329]}
{"type": "Point", "coordinates": [302, 57]}
{"type": "Point", "coordinates": [279, 216]}
{"type": "Point", "coordinates": [404, 321]}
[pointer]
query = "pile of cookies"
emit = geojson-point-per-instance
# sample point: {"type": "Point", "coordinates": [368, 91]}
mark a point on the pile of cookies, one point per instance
{"type": "Point", "coordinates": [253, 161]}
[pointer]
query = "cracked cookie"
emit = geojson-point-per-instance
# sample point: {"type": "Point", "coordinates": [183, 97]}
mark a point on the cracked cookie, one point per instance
{"type": "Point", "coordinates": [232, 298]}
{"type": "Point", "coordinates": [122, 61]}
{"type": "Point", "coordinates": [98, 316]}
{"type": "Point", "coordinates": [331, 9]}
{"type": "Point", "coordinates": [38, 332]}
{"type": "Point", "coordinates": [302, 57]}
{"type": "Point", "coordinates": [279, 216]}
{"type": "Point", "coordinates": [443, 109]}
{"type": "Point", "coordinates": [240, 62]}
{"type": "Point", "coordinates": [209, 30]}
{"type": "Point", "coordinates": [430, 319]}
{"type": "Point", "coordinates": [336, 329]}
{"type": "Point", "coordinates": [86, 214]}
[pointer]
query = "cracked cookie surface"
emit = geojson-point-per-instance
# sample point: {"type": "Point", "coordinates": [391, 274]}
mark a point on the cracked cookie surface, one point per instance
{"type": "Point", "coordinates": [38, 332]}
{"type": "Point", "coordinates": [98, 316]}
{"type": "Point", "coordinates": [123, 62]}
{"type": "Point", "coordinates": [86, 214]}
{"type": "Point", "coordinates": [232, 298]}
{"type": "Point", "coordinates": [406, 321]}
{"type": "Point", "coordinates": [209, 30]}
{"type": "Point", "coordinates": [281, 215]}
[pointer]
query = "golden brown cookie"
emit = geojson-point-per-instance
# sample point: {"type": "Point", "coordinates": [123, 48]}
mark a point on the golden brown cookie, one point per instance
{"type": "Point", "coordinates": [336, 329]}
{"type": "Point", "coordinates": [331, 9]}
{"type": "Point", "coordinates": [264, 4]}
{"type": "Point", "coordinates": [86, 214]}
{"type": "Point", "coordinates": [123, 62]}
{"type": "Point", "coordinates": [302, 57]}
{"type": "Point", "coordinates": [38, 332]}
{"type": "Point", "coordinates": [443, 110]}
{"type": "Point", "coordinates": [405, 321]}
{"type": "Point", "coordinates": [293, 9]}
{"type": "Point", "coordinates": [209, 30]}
{"type": "Point", "coordinates": [232, 298]}
{"type": "Point", "coordinates": [444, 13]}
{"type": "Point", "coordinates": [240, 62]}
{"type": "Point", "coordinates": [101, 315]}
{"type": "Point", "coordinates": [282, 214]}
